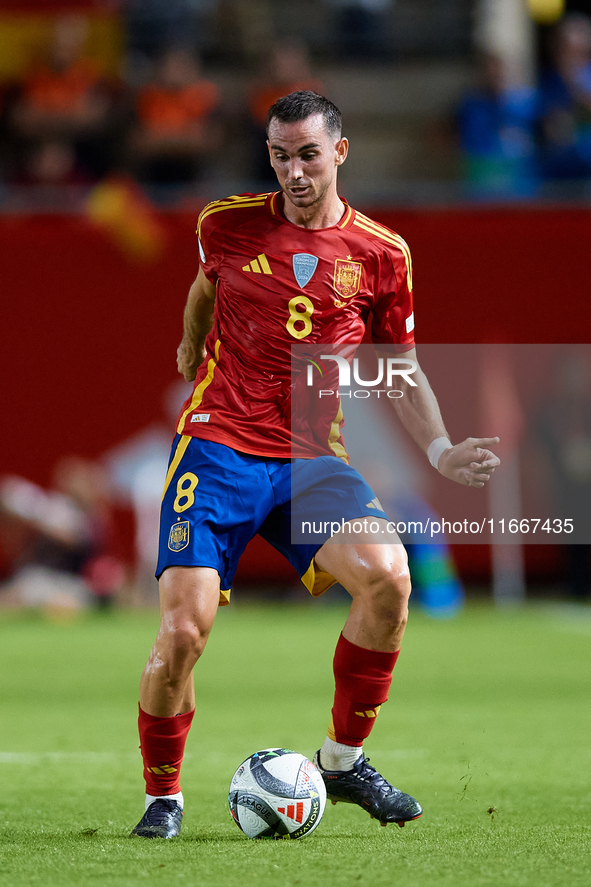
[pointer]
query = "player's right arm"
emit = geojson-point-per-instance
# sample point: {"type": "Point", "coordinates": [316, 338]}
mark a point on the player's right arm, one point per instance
{"type": "Point", "coordinates": [197, 322]}
{"type": "Point", "coordinates": [470, 462]}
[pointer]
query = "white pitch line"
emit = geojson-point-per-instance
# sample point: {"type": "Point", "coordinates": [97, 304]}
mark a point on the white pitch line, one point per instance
{"type": "Point", "coordinates": [571, 618]}
{"type": "Point", "coordinates": [573, 628]}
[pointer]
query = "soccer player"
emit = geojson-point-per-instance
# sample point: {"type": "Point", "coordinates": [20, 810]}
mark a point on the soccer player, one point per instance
{"type": "Point", "coordinates": [295, 266]}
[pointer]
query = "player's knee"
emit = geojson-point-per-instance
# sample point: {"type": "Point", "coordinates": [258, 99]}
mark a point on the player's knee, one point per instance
{"type": "Point", "coordinates": [389, 579]}
{"type": "Point", "coordinates": [387, 590]}
{"type": "Point", "coordinates": [186, 642]}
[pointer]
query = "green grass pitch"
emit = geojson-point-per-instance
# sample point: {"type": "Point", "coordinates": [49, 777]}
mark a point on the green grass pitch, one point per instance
{"type": "Point", "coordinates": [488, 724]}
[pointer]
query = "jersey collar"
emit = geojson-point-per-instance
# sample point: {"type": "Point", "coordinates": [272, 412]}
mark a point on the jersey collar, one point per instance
{"type": "Point", "coordinates": [274, 207]}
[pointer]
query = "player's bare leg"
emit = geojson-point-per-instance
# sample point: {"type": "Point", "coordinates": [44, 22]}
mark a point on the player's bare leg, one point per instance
{"type": "Point", "coordinates": [189, 599]}
{"type": "Point", "coordinates": [188, 604]}
{"type": "Point", "coordinates": [376, 576]}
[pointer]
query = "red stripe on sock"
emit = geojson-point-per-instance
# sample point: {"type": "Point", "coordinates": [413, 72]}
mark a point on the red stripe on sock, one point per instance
{"type": "Point", "coordinates": [362, 681]}
{"type": "Point", "coordinates": [162, 741]}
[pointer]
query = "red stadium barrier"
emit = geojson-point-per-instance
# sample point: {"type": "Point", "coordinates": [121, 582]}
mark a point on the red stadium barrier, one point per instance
{"type": "Point", "coordinates": [91, 330]}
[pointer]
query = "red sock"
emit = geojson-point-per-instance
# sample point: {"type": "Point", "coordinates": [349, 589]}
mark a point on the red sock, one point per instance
{"type": "Point", "coordinates": [162, 741]}
{"type": "Point", "coordinates": [362, 679]}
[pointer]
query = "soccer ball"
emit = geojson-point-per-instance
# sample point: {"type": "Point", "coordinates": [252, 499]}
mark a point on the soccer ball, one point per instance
{"type": "Point", "coordinates": [277, 793]}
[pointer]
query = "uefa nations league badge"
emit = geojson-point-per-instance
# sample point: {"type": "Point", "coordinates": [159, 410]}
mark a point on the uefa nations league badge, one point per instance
{"type": "Point", "coordinates": [179, 536]}
{"type": "Point", "coordinates": [304, 266]}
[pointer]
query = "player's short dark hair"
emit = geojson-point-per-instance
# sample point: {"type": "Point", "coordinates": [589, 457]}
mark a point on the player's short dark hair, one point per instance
{"type": "Point", "coordinates": [302, 104]}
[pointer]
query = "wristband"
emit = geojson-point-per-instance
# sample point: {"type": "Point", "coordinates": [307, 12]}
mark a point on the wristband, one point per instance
{"type": "Point", "coordinates": [436, 448]}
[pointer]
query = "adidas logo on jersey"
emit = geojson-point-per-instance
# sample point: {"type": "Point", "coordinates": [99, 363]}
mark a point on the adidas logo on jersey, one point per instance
{"type": "Point", "coordinates": [375, 503]}
{"type": "Point", "coordinates": [260, 265]}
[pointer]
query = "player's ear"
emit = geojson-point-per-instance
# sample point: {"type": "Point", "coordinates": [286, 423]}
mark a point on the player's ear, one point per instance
{"type": "Point", "coordinates": [341, 151]}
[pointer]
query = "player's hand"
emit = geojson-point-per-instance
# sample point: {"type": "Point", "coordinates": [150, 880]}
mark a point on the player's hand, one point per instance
{"type": "Point", "coordinates": [187, 360]}
{"type": "Point", "coordinates": [471, 462]}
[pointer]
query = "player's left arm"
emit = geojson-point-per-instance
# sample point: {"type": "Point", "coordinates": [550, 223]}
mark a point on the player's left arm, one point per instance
{"type": "Point", "coordinates": [470, 462]}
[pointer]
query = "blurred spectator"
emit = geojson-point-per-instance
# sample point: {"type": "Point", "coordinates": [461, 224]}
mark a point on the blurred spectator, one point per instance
{"type": "Point", "coordinates": [175, 131]}
{"type": "Point", "coordinates": [62, 560]}
{"type": "Point", "coordinates": [242, 31]}
{"type": "Point", "coordinates": [51, 163]}
{"type": "Point", "coordinates": [286, 68]}
{"type": "Point", "coordinates": [497, 123]}
{"type": "Point", "coordinates": [137, 470]}
{"type": "Point", "coordinates": [435, 581]}
{"type": "Point", "coordinates": [65, 101]}
{"type": "Point", "coordinates": [401, 483]}
{"type": "Point", "coordinates": [53, 177]}
{"type": "Point", "coordinates": [361, 28]}
{"type": "Point", "coordinates": [566, 101]}
{"type": "Point", "coordinates": [153, 24]}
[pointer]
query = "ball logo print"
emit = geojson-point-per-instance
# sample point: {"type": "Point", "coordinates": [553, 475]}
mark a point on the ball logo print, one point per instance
{"type": "Point", "coordinates": [277, 793]}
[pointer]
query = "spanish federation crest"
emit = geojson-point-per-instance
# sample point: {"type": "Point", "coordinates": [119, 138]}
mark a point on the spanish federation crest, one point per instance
{"type": "Point", "coordinates": [347, 277]}
{"type": "Point", "coordinates": [179, 536]}
{"type": "Point", "coordinates": [304, 266]}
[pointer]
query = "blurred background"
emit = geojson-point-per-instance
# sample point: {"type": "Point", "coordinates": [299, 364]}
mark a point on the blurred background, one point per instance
{"type": "Point", "coordinates": [470, 131]}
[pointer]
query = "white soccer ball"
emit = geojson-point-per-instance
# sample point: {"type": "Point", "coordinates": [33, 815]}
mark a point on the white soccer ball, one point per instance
{"type": "Point", "coordinates": [277, 793]}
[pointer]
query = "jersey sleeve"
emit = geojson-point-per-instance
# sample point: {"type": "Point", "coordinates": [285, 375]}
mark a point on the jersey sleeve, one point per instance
{"type": "Point", "coordinates": [393, 316]}
{"type": "Point", "coordinates": [209, 241]}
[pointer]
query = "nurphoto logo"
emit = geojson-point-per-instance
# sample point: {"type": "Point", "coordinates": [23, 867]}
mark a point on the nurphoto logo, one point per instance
{"type": "Point", "coordinates": [390, 369]}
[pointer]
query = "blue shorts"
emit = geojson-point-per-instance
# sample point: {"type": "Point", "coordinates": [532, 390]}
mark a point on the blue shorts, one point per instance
{"type": "Point", "coordinates": [216, 499]}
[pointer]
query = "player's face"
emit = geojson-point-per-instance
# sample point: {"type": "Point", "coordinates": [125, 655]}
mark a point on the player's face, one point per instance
{"type": "Point", "coordinates": [305, 158]}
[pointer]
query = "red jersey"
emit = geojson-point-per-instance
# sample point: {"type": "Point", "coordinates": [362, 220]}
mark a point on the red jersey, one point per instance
{"type": "Point", "coordinates": [277, 285]}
